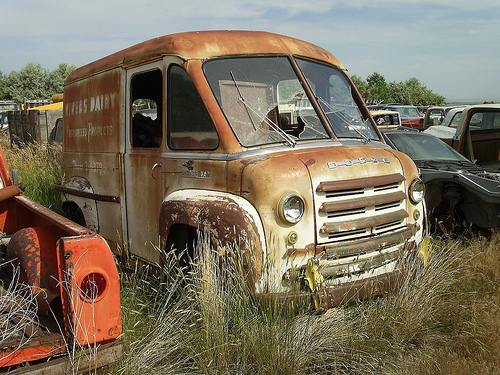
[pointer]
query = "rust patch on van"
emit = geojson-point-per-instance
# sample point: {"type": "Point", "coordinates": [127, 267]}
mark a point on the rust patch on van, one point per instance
{"type": "Point", "coordinates": [224, 221]}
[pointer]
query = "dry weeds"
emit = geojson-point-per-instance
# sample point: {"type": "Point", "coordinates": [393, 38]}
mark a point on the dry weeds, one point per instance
{"type": "Point", "coordinates": [443, 319]}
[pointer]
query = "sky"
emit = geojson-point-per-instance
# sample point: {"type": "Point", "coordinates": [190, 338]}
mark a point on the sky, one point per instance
{"type": "Point", "coordinates": [450, 46]}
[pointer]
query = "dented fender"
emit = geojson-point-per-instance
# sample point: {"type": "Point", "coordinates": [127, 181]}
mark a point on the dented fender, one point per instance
{"type": "Point", "coordinates": [228, 219]}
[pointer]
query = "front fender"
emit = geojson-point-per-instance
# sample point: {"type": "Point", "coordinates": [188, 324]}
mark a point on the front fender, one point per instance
{"type": "Point", "coordinates": [230, 220]}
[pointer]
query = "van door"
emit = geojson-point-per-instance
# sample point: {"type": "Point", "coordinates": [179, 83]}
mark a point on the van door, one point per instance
{"type": "Point", "coordinates": [144, 142]}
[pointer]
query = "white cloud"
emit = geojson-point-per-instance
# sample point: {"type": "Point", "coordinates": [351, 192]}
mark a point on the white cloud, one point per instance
{"type": "Point", "coordinates": [435, 41]}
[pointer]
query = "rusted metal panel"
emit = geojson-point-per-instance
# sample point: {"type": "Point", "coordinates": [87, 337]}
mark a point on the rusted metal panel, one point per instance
{"type": "Point", "coordinates": [362, 202]}
{"type": "Point", "coordinates": [39, 347]}
{"type": "Point", "coordinates": [30, 213]}
{"type": "Point", "coordinates": [358, 290]}
{"type": "Point", "coordinates": [193, 173]}
{"type": "Point", "coordinates": [4, 170]}
{"type": "Point", "coordinates": [351, 248]}
{"type": "Point", "coordinates": [9, 192]}
{"type": "Point", "coordinates": [234, 227]}
{"type": "Point", "coordinates": [144, 194]}
{"type": "Point", "coordinates": [263, 186]}
{"type": "Point", "coordinates": [92, 109]}
{"type": "Point", "coordinates": [88, 319]}
{"type": "Point", "coordinates": [330, 297]}
{"type": "Point", "coordinates": [360, 246]}
{"type": "Point", "coordinates": [203, 45]}
{"type": "Point", "coordinates": [99, 172]}
{"type": "Point", "coordinates": [359, 183]}
{"type": "Point", "coordinates": [364, 222]}
{"type": "Point", "coordinates": [35, 250]}
{"type": "Point", "coordinates": [89, 361]}
{"type": "Point", "coordinates": [21, 212]}
{"type": "Point", "coordinates": [99, 179]}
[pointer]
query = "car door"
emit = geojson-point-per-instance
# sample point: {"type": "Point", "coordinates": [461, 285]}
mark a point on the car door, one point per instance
{"type": "Point", "coordinates": [145, 119]}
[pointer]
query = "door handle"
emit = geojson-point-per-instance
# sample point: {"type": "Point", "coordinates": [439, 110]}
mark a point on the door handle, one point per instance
{"type": "Point", "coordinates": [156, 165]}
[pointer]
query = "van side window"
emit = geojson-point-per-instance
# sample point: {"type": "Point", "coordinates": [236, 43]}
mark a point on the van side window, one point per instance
{"type": "Point", "coordinates": [189, 124]}
{"type": "Point", "coordinates": [147, 99]}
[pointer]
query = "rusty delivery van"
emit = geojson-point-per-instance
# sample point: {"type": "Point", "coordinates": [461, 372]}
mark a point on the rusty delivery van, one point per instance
{"type": "Point", "coordinates": [259, 140]}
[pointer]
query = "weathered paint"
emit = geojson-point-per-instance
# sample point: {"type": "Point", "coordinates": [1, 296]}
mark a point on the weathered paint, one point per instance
{"type": "Point", "coordinates": [228, 220]}
{"type": "Point", "coordinates": [34, 248]}
{"type": "Point", "coordinates": [216, 188]}
{"type": "Point", "coordinates": [88, 321]}
{"type": "Point", "coordinates": [38, 239]}
{"type": "Point", "coordinates": [204, 45]}
{"type": "Point", "coordinates": [45, 345]}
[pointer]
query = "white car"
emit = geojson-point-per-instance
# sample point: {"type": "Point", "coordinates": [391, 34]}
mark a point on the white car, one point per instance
{"type": "Point", "coordinates": [448, 126]}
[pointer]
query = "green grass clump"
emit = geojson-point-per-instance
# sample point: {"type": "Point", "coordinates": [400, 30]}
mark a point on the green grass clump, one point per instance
{"type": "Point", "coordinates": [38, 166]}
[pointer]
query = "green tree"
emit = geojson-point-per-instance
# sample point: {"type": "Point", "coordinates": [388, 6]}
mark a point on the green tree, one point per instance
{"type": "Point", "coordinates": [27, 83]}
{"type": "Point", "coordinates": [414, 92]}
{"type": "Point", "coordinates": [34, 82]}
{"type": "Point", "coordinates": [2, 85]}
{"type": "Point", "coordinates": [56, 78]}
{"type": "Point", "coordinates": [378, 87]}
{"type": "Point", "coordinates": [361, 85]}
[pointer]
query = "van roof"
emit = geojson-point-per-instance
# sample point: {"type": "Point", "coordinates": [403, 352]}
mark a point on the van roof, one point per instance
{"type": "Point", "coordinates": [203, 45]}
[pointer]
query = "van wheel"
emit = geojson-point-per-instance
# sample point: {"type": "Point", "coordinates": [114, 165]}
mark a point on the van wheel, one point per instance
{"type": "Point", "coordinates": [73, 212]}
{"type": "Point", "coordinates": [182, 241]}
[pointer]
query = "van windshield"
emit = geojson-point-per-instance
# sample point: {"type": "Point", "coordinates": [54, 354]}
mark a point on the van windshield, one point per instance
{"type": "Point", "coordinates": [265, 102]}
{"type": "Point", "coordinates": [335, 96]}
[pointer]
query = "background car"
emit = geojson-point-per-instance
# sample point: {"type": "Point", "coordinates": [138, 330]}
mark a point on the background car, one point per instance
{"type": "Point", "coordinates": [410, 115]}
{"type": "Point", "coordinates": [448, 126]}
{"type": "Point", "coordinates": [386, 119]}
{"type": "Point", "coordinates": [459, 193]}
{"type": "Point", "coordinates": [476, 134]}
{"type": "Point", "coordinates": [435, 115]}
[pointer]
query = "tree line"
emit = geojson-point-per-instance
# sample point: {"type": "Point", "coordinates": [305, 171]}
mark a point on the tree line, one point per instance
{"type": "Point", "coordinates": [375, 89]}
{"type": "Point", "coordinates": [32, 82]}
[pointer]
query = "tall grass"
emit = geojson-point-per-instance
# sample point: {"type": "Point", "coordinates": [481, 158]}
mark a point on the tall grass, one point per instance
{"type": "Point", "coordinates": [442, 319]}
{"type": "Point", "coordinates": [38, 166]}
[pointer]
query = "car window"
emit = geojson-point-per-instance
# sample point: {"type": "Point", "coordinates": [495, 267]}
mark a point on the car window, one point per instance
{"type": "Point", "coordinates": [147, 96]}
{"type": "Point", "coordinates": [405, 111]}
{"type": "Point", "coordinates": [485, 120]}
{"type": "Point", "coordinates": [412, 112]}
{"type": "Point", "coordinates": [455, 119]}
{"type": "Point", "coordinates": [420, 146]}
{"type": "Point", "coordinates": [190, 126]}
{"type": "Point", "coordinates": [264, 100]}
{"type": "Point", "coordinates": [435, 116]}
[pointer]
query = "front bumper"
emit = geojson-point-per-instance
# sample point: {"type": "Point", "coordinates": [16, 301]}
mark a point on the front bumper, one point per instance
{"type": "Point", "coordinates": [328, 297]}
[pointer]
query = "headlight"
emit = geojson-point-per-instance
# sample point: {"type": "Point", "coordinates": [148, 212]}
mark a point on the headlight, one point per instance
{"type": "Point", "coordinates": [291, 208]}
{"type": "Point", "coordinates": [416, 190]}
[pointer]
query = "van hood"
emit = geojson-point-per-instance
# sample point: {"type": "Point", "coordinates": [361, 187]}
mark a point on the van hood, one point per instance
{"type": "Point", "coordinates": [350, 162]}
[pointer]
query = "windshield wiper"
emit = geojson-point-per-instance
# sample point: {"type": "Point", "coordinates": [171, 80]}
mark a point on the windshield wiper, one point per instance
{"type": "Point", "coordinates": [249, 107]}
{"type": "Point", "coordinates": [242, 99]}
{"type": "Point", "coordinates": [343, 117]}
{"type": "Point", "coordinates": [366, 140]}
